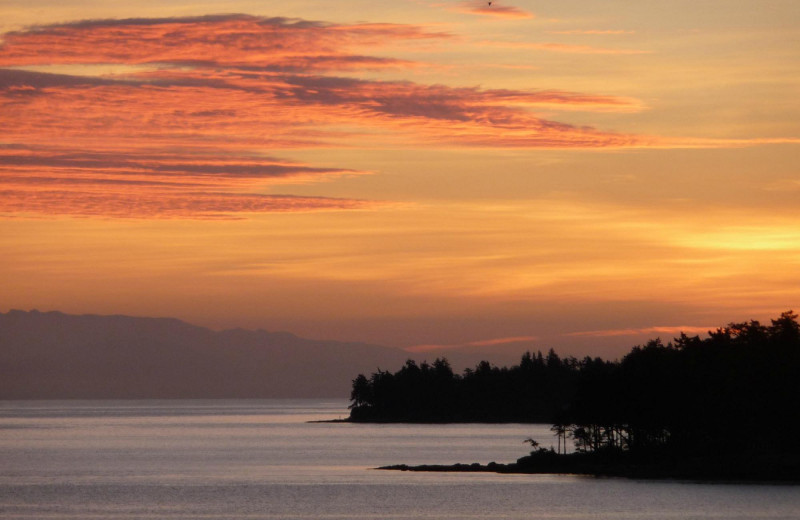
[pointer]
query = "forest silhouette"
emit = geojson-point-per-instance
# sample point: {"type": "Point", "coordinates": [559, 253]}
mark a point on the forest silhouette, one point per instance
{"type": "Point", "coordinates": [722, 406]}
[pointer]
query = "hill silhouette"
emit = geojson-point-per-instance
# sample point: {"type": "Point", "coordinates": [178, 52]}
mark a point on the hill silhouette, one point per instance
{"type": "Point", "coordinates": [51, 355]}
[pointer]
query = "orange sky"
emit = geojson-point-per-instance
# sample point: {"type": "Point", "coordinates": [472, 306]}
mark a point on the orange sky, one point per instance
{"type": "Point", "coordinates": [576, 174]}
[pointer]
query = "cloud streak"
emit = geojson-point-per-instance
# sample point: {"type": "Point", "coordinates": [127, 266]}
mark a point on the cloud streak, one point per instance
{"type": "Point", "coordinates": [220, 40]}
{"type": "Point", "coordinates": [565, 48]}
{"type": "Point", "coordinates": [472, 344]}
{"type": "Point", "coordinates": [256, 108]}
{"type": "Point", "coordinates": [161, 204]}
{"type": "Point", "coordinates": [188, 168]}
{"type": "Point", "coordinates": [670, 330]}
{"type": "Point", "coordinates": [493, 10]}
{"type": "Point", "coordinates": [153, 184]}
{"type": "Point", "coordinates": [593, 32]}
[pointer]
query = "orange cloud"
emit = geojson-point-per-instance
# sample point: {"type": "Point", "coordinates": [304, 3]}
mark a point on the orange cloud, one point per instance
{"type": "Point", "coordinates": [242, 108]}
{"type": "Point", "coordinates": [564, 48]}
{"type": "Point", "coordinates": [204, 97]}
{"type": "Point", "coordinates": [151, 184]}
{"type": "Point", "coordinates": [594, 32]}
{"type": "Point", "coordinates": [670, 330]}
{"type": "Point", "coordinates": [481, 343]}
{"type": "Point", "coordinates": [185, 168]}
{"type": "Point", "coordinates": [221, 40]}
{"type": "Point", "coordinates": [150, 203]}
{"type": "Point", "coordinates": [493, 9]}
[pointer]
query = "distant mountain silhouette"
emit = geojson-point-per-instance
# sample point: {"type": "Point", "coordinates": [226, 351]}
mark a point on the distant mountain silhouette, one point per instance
{"type": "Point", "coordinates": [51, 355]}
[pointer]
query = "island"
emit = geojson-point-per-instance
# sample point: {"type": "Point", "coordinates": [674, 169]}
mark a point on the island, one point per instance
{"type": "Point", "coordinates": [726, 407]}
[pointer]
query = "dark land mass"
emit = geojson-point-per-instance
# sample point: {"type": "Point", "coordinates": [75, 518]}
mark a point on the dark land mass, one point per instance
{"type": "Point", "coordinates": [726, 407]}
{"type": "Point", "coordinates": [535, 391]}
{"type": "Point", "coordinates": [51, 355]}
{"type": "Point", "coordinates": [740, 468]}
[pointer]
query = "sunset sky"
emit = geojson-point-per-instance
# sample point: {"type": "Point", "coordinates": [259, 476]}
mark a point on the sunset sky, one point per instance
{"type": "Point", "coordinates": [573, 174]}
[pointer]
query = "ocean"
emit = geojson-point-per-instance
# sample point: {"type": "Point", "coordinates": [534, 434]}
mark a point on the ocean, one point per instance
{"type": "Point", "coordinates": [267, 459]}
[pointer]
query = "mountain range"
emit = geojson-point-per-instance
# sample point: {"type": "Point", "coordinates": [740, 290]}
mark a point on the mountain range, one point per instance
{"type": "Point", "coordinates": [51, 355]}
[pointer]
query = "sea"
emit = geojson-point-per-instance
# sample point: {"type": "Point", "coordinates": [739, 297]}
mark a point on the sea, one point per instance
{"type": "Point", "coordinates": [273, 459]}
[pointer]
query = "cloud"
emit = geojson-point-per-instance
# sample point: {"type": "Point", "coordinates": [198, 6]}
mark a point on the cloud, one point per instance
{"type": "Point", "coordinates": [23, 81]}
{"type": "Point", "coordinates": [495, 10]}
{"type": "Point", "coordinates": [669, 330]}
{"type": "Point", "coordinates": [150, 203]}
{"type": "Point", "coordinates": [153, 183]}
{"type": "Point", "coordinates": [565, 48]}
{"type": "Point", "coordinates": [438, 102]}
{"type": "Point", "coordinates": [593, 32]}
{"type": "Point", "coordinates": [266, 109]}
{"type": "Point", "coordinates": [584, 49]}
{"type": "Point", "coordinates": [710, 142]}
{"type": "Point", "coordinates": [197, 101]}
{"type": "Point", "coordinates": [185, 168]}
{"type": "Point", "coordinates": [223, 40]}
{"type": "Point", "coordinates": [481, 343]}
{"type": "Point", "coordinates": [783, 185]}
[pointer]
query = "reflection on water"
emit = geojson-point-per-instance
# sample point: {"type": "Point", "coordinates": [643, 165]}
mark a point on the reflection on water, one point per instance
{"type": "Point", "coordinates": [264, 459]}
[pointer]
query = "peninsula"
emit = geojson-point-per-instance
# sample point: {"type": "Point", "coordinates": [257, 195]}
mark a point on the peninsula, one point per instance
{"type": "Point", "coordinates": [721, 408]}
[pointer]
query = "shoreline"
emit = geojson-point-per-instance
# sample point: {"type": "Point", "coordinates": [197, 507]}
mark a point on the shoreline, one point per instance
{"type": "Point", "coordinates": [710, 470]}
{"type": "Point", "coordinates": [401, 421]}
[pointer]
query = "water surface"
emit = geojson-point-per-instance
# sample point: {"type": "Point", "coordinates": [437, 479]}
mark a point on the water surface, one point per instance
{"type": "Point", "coordinates": [264, 459]}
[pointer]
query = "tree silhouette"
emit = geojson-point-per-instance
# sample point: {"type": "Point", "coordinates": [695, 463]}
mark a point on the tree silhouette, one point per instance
{"type": "Point", "coordinates": [560, 431]}
{"type": "Point", "coordinates": [691, 397]}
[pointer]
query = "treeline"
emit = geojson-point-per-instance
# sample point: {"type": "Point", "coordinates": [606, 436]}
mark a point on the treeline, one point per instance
{"type": "Point", "coordinates": [737, 390]}
{"type": "Point", "coordinates": [536, 390]}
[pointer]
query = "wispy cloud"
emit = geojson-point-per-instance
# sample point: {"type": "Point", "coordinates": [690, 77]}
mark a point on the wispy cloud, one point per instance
{"type": "Point", "coordinates": [234, 86]}
{"type": "Point", "coordinates": [185, 168]}
{"type": "Point", "coordinates": [250, 108]}
{"type": "Point", "coordinates": [493, 9]}
{"type": "Point", "coordinates": [783, 185]}
{"type": "Point", "coordinates": [480, 343]}
{"type": "Point", "coordinates": [564, 48]}
{"type": "Point", "coordinates": [593, 32]}
{"type": "Point", "coordinates": [668, 330]}
{"type": "Point", "coordinates": [290, 110]}
{"type": "Point", "coordinates": [161, 204]}
{"type": "Point", "coordinates": [222, 40]}
{"type": "Point", "coordinates": [152, 184]}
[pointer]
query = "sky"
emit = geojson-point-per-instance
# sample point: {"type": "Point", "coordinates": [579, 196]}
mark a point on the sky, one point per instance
{"type": "Point", "coordinates": [572, 174]}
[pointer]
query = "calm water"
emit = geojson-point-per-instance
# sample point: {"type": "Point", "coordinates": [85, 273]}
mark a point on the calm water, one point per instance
{"type": "Point", "coordinates": [262, 459]}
